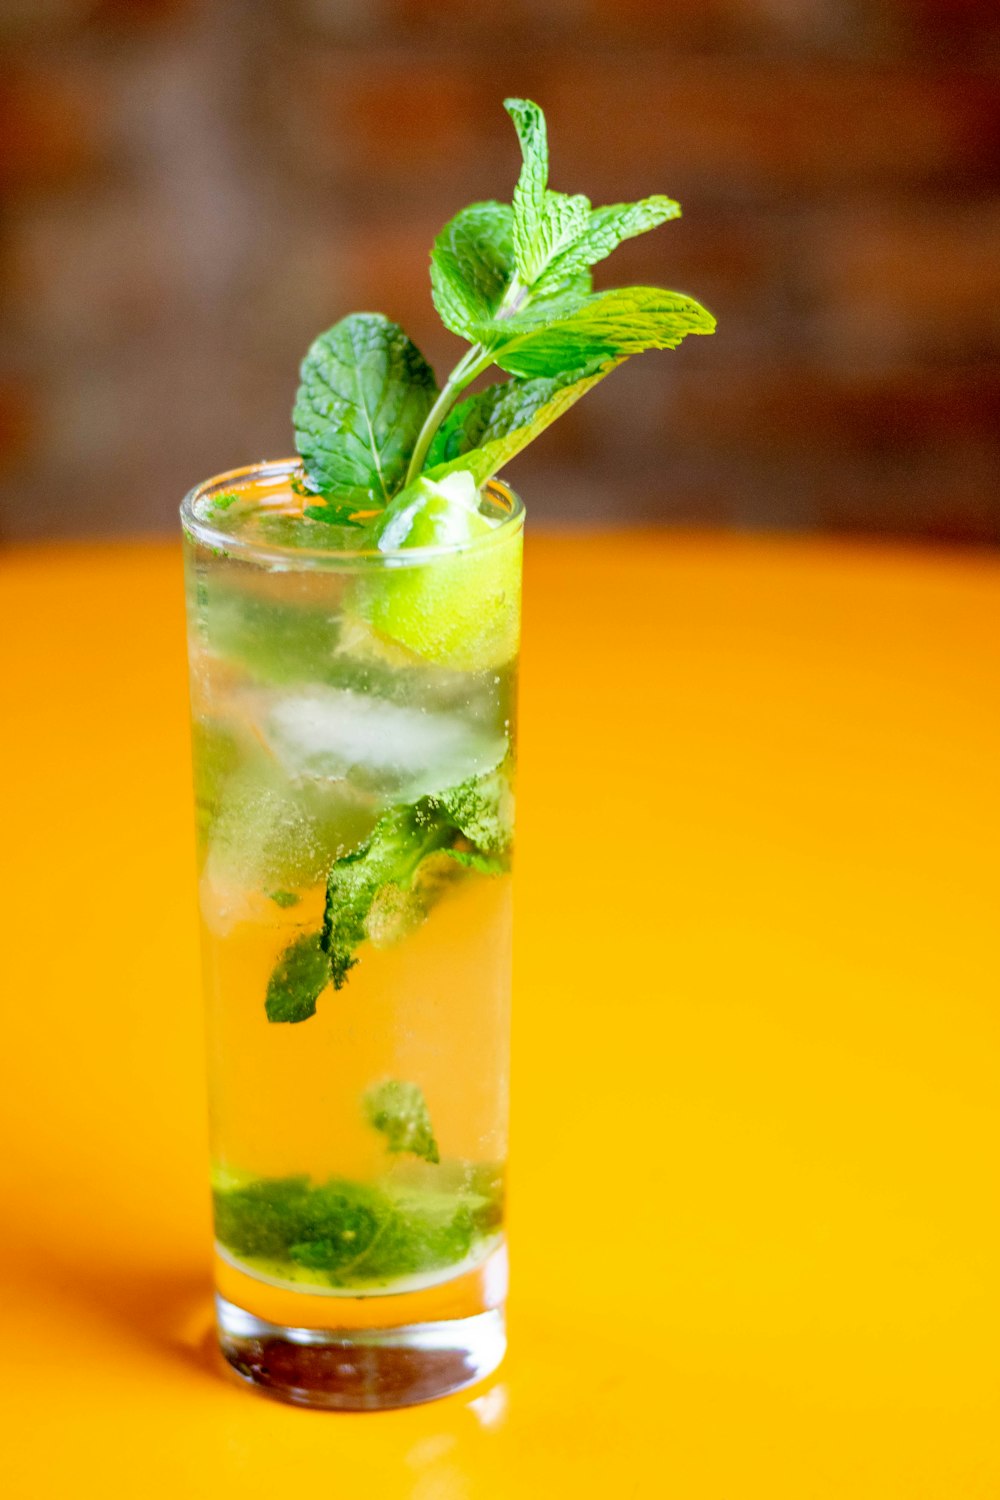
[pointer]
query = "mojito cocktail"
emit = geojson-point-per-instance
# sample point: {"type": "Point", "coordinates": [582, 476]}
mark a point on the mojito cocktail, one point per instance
{"type": "Point", "coordinates": [354, 617]}
{"type": "Point", "coordinates": [355, 820]}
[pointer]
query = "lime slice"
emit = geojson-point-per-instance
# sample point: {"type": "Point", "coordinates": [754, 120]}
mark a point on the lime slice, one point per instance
{"type": "Point", "coordinates": [460, 611]}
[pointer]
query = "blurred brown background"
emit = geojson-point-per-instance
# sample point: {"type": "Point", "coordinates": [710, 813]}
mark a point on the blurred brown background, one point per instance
{"type": "Point", "coordinates": [193, 188]}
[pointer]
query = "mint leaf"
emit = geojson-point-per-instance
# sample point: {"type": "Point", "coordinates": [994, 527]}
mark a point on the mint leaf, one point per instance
{"type": "Point", "coordinates": [502, 278]}
{"type": "Point", "coordinates": [549, 298]}
{"type": "Point", "coordinates": [262, 1218]}
{"type": "Point", "coordinates": [608, 325]}
{"type": "Point", "coordinates": [399, 1111]}
{"type": "Point", "coordinates": [545, 223]}
{"type": "Point", "coordinates": [333, 512]}
{"type": "Point", "coordinates": [425, 1231]}
{"type": "Point", "coordinates": [338, 1225]}
{"type": "Point", "coordinates": [284, 898]}
{"type": "Point", "coordinates": [529, 194]}
{"type": "Point", "coordinates": [482, 809]}
{"type": "Point", "coordinates": [365, 394]}
{"type": "Point", "coordinates": [486, 431]}
{"type": "Point", "coordinates": [300, 976]}
{"type": "Point", "coordinates": [483, 864]}
{"type": "Point", "coordinates": [472, 264]}
{"type": "Point", "coordinates": [367, 890]}
{"type": "Point", "coordinates": [222, 502]}
{"type": "Point", "coordinates": [604, 232]}
{"type": "Point", "coordinates": [387, 1236]}
{"type": "Point", "coordinates": [564, 219]}
{"type": "Point", "coordinates": [355, 1234]}
{"type": "Point", "coordinates": [473, 274]}
{"type": "Point", "coordinates": [401, 839]}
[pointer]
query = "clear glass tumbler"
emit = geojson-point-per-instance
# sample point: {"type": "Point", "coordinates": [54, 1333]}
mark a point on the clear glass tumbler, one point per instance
{"type": "Point", "coordinates": [354, 745]}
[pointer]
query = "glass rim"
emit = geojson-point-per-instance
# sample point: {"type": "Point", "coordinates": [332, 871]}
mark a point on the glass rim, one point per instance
{"type": "Point", "coordinates": [291, 556]}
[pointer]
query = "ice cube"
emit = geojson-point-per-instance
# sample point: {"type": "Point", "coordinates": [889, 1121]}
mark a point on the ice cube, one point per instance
{"type": "Point", "coordinates": [336, 734]}
{"type": "Point", "coordinates": [272, 834]}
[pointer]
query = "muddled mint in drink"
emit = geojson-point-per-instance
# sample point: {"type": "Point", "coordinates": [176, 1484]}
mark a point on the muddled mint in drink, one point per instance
{"type": "Point", "coordinates": [356, 811]}
{"type": "Point", "coordinates": [352, 1235]}
{"type": "Point", "coordinates": [399, 1110]}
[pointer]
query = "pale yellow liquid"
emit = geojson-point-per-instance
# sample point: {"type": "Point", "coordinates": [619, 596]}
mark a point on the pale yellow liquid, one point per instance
{"type": "Point", "coordinates": [285, 1099]}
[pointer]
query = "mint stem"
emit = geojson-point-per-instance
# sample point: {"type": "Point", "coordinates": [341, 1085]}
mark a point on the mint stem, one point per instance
{"type": "Point", "coordinates": [473, 362]}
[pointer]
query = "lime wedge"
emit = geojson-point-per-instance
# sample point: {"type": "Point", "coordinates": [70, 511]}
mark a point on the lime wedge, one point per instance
{"type": "Point", "coordinates": [460, 611]}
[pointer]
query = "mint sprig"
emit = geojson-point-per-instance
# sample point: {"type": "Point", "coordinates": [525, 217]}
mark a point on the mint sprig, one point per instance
{"type": "Point", "coordinates": [514, 282]}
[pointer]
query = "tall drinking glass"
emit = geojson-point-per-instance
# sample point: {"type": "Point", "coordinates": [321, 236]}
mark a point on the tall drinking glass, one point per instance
{"type": "Point", "coordinates": [353, 721]}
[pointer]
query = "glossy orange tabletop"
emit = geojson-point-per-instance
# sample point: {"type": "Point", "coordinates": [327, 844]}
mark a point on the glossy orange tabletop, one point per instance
{"type": "Point", "coordinates": [755, 1232]}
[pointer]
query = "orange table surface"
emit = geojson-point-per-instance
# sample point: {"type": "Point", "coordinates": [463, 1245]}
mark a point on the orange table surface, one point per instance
{"type": "Point", "coordinates": [755, 1232]}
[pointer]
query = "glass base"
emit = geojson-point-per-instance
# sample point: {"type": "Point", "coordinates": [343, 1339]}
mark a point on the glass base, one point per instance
{"type": "Point", "coordinates": [361, 1369]}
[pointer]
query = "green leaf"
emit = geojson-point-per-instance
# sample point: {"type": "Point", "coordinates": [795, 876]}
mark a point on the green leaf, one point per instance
{"type": "Point", "coordinates": [481, 808]}
{"type": "Point", "coordinates": [564, 219]}
{"type": "Point", "coordinates": [334, 512]}
{"type": "Point", "coordinates": [606, 228]}
{"type": "Point", "coordinates": [552, 299]}
{"type": "Point", "coordinates": [472, 264]}
{"type": "Point", "coordinates": [300, 976]}
{"type": "Point", "coordinates": [532, 184]}
{"type": "Point", "coordinates": [219, 503]}
{"type": "Point", "coordinates": [486, 431]}
{"type": "Point", "coordinates": [483, 864]}
{"type": "Point", "coordinates": [399, 1111]}
{"type": "Point", "coordinates": [401, 839]}
{"type": "Point", "coordinates": [330, 510]}
{"type": "Point", "coordinates": [545, 223]}
{"type": "Point", "coordinates": [472, 270]}
{"type": "Point", "coordinates": [365, 392]}
{"type": "Point", "coordinates": [260, 1218]}
{"type": "Point", "coordinates": [357, 1234]}
{"type": "Point", "coordinates": [391, 880]}
{"type": "Point", "coordinates": [284, 899]}
{"type": "Point", "coordinates": [338, 1225]}
{"type": "Point", "coordinates": [608, 325]}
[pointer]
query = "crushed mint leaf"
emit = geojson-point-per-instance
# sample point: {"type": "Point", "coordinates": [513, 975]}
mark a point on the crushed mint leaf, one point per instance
{"type": "Point", "coordinates": [300, 976]}
{"type": "Point", "coordinates": [473, 817]}
{"type": "Point", "coordinates": [399, 1111]}
{"type": "Point", "coordinates": [222, 502]}
{"type": "Point", "coordinates": [284, 899]}
{"type": "Point", "coordinates": [383, 888]}
{"type": "Point", "coordinates": [348, 1234]}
